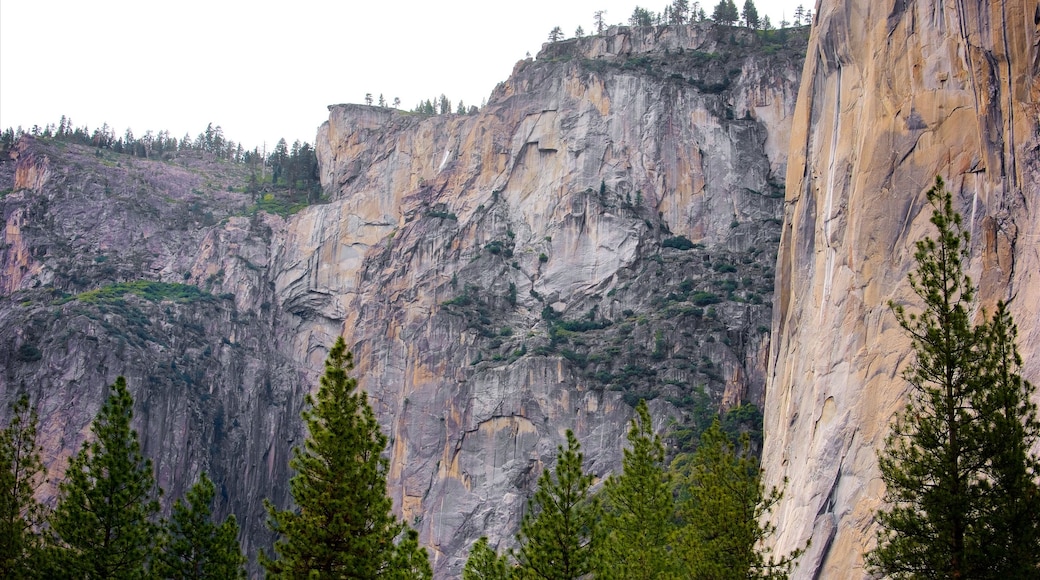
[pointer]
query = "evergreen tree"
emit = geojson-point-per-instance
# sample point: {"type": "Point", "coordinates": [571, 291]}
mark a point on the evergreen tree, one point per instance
{"type": "Point", "coordinates": [641, 17]}
{"type": "Point", "coordinates": [725, 13]}
{"type": "Point", "coordinates": [342, 525]}
{"type": "Point", "coordinates": [20, 473]}
{"type": "Point", "coordinates": [679, 11]}
{"type": "Point", "coordinates": [1012, 503]}
{"type": "Point", "coordinates": [557, 532]}
{"type": "Point", "coordinates": [638, 510]}
{"type": "Point", "coordinates": [556, 34]}
{"type": "Point", "coordinates": [102, 524]}
{"type": "Point", "coordinates": [192, 547]}
{"type": "Point", "coordinates": [722, 511]}
{"type": "Point", "coordinates": [750, 14]}
{"type": "Point", "coordinates": [484, 564]}
{"type": "Point", "coordinates": [799, 14]}
{"type": "Point", "coordinates": [960, 483]}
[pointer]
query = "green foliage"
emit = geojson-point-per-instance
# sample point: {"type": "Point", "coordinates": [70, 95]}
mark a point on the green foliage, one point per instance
{"type": "Point", "coordinates": [637, 517]}
{"type": "Point", "coordinates": [102, 524]}
{"type": "Point", "coordinates": [192, 547]}
{"type": "Point", "coordinates": [557, 532]}
{"type": "Point", "coordinates": [701, 298]}
{"type": "Point", "coordinates": [20, 472]}
{"type": "Point", "coordinates": [1012, 491]}
{"type": "Point", "coordinates": [341, 523]}
{"type": "Point", "coordinates": [270, 203]}
{"type": "Point", "coordinates": [750, 14]}
{"type": "Point", "coordinates": [151, 291]}
{"type": "Point", "coordinates": [641, 17]}
{"type": "Point", "coordinates": [725, 13]}
{"type": "Point", "coordinates": [961, 485]}
{"type": "Point", "coordinates": [677, 242]}
{"type": "Point", "coordinates": [724, 502]}
{"type": "Point", "coordinates": [484, 564]}
{"type": "Point", "coordinates": [444, 215]}
{"type": "Point", "coordinates": [28, 353]}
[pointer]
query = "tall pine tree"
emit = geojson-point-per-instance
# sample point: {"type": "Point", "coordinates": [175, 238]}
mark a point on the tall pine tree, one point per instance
{"type": "Point", "coordinates": [721, 514]}
{"type": "Point", "coordinates": [638, 509]}
{"type": "Point", "coordinates": [102, 524]}
{"type": "Point", "coordinates": [960, 482]}
{"type": "Point", "coordinates": [558, 531]}
{"type": "Point", "coordinates": [21, 472]}
{"type": "Point", "coordinates": [1012, 503]}
{"type": "Point", "coordinates": [192, 547]}
{"type": "Point", "coordinates": [341, 525]}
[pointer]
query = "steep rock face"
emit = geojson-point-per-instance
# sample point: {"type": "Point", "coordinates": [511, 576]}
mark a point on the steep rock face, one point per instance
{"type": "Point", "coordinates": [893, 94]}
{"type": "Point", "coordinates": [603, 230]}
{"type": "Point", "coordinates": [214, 389]}
{"type": "Point", "coordinates": [460, 238]}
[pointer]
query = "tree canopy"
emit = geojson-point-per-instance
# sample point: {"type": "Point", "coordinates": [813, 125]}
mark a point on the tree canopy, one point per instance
{"type": "Point", "coordinates": [103, 523]}
{"type": "Point", "coordinates": [961, 485]}
{"type": "Point", "coordinates": [341, 523]}
{"type": "Point", "coordinates": [20, 473]}
{"type": "Point", "coordinates": [558, 530]}
{"type": "Point", "coordinates": [191, 546]}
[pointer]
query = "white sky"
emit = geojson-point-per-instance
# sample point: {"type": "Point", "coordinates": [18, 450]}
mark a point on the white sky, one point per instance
{"type": "Point", "coordinates": [264, 70]}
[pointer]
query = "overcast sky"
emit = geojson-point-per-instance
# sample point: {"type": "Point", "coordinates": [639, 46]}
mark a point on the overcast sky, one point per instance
{"type": "Point", "coordinates": [264, 70]}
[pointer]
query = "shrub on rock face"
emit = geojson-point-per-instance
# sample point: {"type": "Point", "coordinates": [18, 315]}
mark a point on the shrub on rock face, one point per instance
{"type": "Point", "coordinates": [677, 242]}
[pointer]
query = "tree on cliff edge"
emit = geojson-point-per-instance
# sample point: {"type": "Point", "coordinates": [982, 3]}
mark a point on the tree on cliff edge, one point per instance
{"type": "Point", "coordinates": [961, 485]}
{"type": "Point", "coordinates": [341, 525]}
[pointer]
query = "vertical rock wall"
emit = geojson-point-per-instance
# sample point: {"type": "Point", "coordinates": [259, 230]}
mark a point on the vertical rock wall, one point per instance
{"type": "Point", "coordinates": [893, 94]}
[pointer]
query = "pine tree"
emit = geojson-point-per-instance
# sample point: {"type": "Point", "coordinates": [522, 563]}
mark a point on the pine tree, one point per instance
{"type": "Point", "coordinates": [638, 510]}
{"type": "Point", "coordinates": [557, 532]}
{"type": "Point", "coordinates": [725, 13]}
{"type": "Point", "coordinates": [102, 524]}
{"type": "Point", "coordinates": [485, 564]}
{"type": "Point", "coordinates": [192, 547]}
{"type": "Point", "coordinates": [20, 473]}
{"type": "Point", "coordinates": [679, 11]}
{"type": "Point", "coordinates": [1012, 503]}
{"type": "Point", "coordinates": [722, 513]}
{"type": "Point", "coordinates": [342, 524]}
{"type": "Point", "coordinates": [750, 14]}
{"type": "Point", "coordinates": [960, 483]}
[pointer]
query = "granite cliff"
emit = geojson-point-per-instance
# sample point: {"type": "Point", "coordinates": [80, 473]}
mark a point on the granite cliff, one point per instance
{"type": "Point", "coordinates": [603, 230]}
{"type": "Point", "coordinates": [893, 94]}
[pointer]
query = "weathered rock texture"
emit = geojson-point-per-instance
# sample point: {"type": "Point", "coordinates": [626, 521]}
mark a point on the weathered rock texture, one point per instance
{"type": "Point", "coordinates": [893, 94]}
{"type": "Point", "coordinates": [500, 277]}
{"type": "Point", "coordinates": [465, 230]}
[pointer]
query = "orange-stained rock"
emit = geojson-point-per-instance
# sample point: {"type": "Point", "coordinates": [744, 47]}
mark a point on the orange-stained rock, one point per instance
{"type": "Point", "coordinates": [893, 94]}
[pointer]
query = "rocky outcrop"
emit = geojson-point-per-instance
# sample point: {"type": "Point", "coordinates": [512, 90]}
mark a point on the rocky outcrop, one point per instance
{"type": "Point", "coordinates": [893, 94]}
{"type": "Point", "coordinates": [603, 230]}
{"type": "Point", "coordinates": [471, 232]}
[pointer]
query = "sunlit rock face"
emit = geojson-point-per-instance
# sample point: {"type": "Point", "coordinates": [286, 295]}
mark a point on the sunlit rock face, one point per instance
{"type": "Point", "coordinates": [893, 94]}
{"type": "Point", "coordinates": [581, 163]}
{"type": "Point", "coordinates": [605, 229]}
